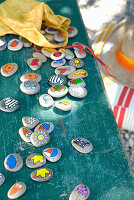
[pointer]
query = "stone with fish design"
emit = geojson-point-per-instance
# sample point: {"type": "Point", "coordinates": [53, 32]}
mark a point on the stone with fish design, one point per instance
{"type": "Point", "coordinates": [30, 87]}
{"type": "Point", "coordinates": [80, 73]}
{"type": "Point", "coordinates": [58, 91]}
{"type": "Point", "coordinates": [17, 190]}
{"type": "Point", "coordinates": [77, 91]}
{"type": "Point", "coordinates": [3, 44]}
{"type": "Point", "coordinates": [79, 82]}
{"type": "Point", "coordinates": [59, 37]}
{"type": "Point", "coordinates": [15, 45]}
{"type": "Point", "coordinates": [13, 162]}
{"type": "Point", "coordinates": [40, 56]}
{"type": "Point", "coordinates": [65, 70]}
{"type": "Point", "coordinates": [46, 100]}
{"type": "Point", "coordinates": [82, 145]}
{"type": "Point", "coordinates": [47, 126]}
{"type": "Point", "coordinates": [40, 138]}
{"type": "Point", "coordinates": [58, 63]}
{"type": "Point", "coordinates": [76, 62]}
{"type": "Point", "coordinates": [30, 77]}
{"type": "Point", "coordinates": [25, 133]}
{"type": "Point", "coordinates": [64, 105]}
{"type": "Point", "coordinates": [57, 80]}
{"type": "Point", "coordinates": [72, 32]}
{"type": "Point", "coordinates": [34, 63]}
{"type": "Point", "coordinates": [42, 175]}
{"type": "Point", "coordinates": [51, 31]}
{"type": "Point", "coordinates": [30, 122]}
{"type": "Point", "coordinates": [52, 154]}
{"type": "Point", "coordinates": [80, 53]}
{"type": "Point", "coordinates": [47, 51]}
{"type": "Point", "coordinates": [9, 104]}
{"type": "Point", "coordinates": [81, 192]}
{"type": "Point", "coordinates": [2, 179]}
{"type": "Point", "coordinates": [68, 54]}
{"type": "Point", "coordinates": [26, 43]}
{"type": "Point", "coordinates": [35, 160]}
{"type": "Point", "coordinates": [57, 55]}
{"type": "Point", "coordinates": [9, 69]}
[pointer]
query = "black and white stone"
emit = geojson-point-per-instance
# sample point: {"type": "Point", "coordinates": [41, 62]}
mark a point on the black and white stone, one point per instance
{"type": "Point", "coordinates": [25, 134]}
{"type": "Point", "coordinates": [47, 126]}
{"type": "Point", "coordinates": [30, 87]}
{"type": "Point", "coordinates": [13, 162]}
{"type": "Point", "coordinates": [9, 104]}
{"type": "Point", "coordinates": [40, 56]}
{"type": "Point", "coordinates": [15, 45]}
{"type": "Point", "coordinates": [35, 160]}
{"type": "Point", "coordinates": [34, 63]}
{"type": "Point", "coordinates": [17, 190]}
{"type": "Point", "coordinates": [57, 80]}
{"type": "Point", "coordinates": [40, 138]}
{"type": "Point", "coordinates": [78, 91]}
{"type": "Point", "coordinates": [52, 154]}
{"type": "Point", "coordinates": [2, 179]}
{"type": "Point", "coordinates": [30, 122]}
{"type": "Point", "coordinates": [82, 145]}
{"type": "Point", "coordinates": [30, 77]}
{"type": "Point", "coordinates": [46, 100]}
{"type": "Point", "coordinates": [42, 174]}
{"type": "Point", "coordinates": [9, 69]}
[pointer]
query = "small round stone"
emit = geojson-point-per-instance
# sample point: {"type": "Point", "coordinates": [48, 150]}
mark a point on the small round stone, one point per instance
{"type": "Point", "coordinates": [3, 44]}
{"type": "Point", "coordinates": [46, 100]}
{"type": "Point", "coordinates": [80, 53]}
{"type": "Point", "coordinates": [72, 32]}
{"type": "Point", "coordinates": [47, 51]}
{"type": "Point", "coordinates": [35, 160]}
{"type": "Point", "coordinates": [40, 138]}
{"type": "Point", "coordinates": [13, 162]}
{"type": "Point", "coordinates": [68, 54]}
{"type": "Point", "coordinates": [25, 133]}
{"type": "Point", "coordinates": [9, 104]}
{"type": "Point", "coordinates": [40, 56]}
{"type": "Point", "coordinates": [57, 80]}
{"type": "Point", "coordinates": [77, 91]}
{"type": "Point", "coordinates": [42, 175]}
{"type": "Point", "coordinates": [80, 73]}
{"type": "Point", "coordinates": [52, 154]}
{"type": "Point", "coordinates": [30, 122]}
{"type": "Point", "coordinates": [59, 37]}
{"type": "Point", "coordinates": [77, 82]}
{"type": "Point", "coordinates": [82, 145]}
{"type": "Point", "coordinates": [49, 37]}
{"type": "Point", "coordinates": [2, 179]}
{"type": "Point", "coordinates": [131, 142]}
{"type": "Point", "coordinates": [64, 105]}
{"type": "Point", "coordinates": [58, 91]}
{"type": "Point", "coordinates": [9, 69]}
{"type": "Point", "coordinates": [30, 77]}
{"type": "Point", "coordinates": [51, 31]}
{"type": "Point", "coordinates": [80, 192]}
{"type": "Point", "coordinates": [34, 63]}
{"type": "Point", "coordinates": [30, 87]}
{"type": "Point", "coordinates": [15, 45]}
{"type": "Point", "coordinates": [17, 190]}
{"type": "Point", "coordinates": [47, 126]}
{"type": "Point", "coordinates": [65, 70]}
{"type": "Point", "coordinates": [58, 63]}
{"type": "Point", "coordinates": [26, 43]}
{"type": "Point", "coordinates": [57, 55]}
{"type": "Point", "coordinates": [76, 62]}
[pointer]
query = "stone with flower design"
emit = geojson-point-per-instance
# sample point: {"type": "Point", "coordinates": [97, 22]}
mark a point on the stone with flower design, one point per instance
{"type": "Point", "coordinates": [57, 55]}
{"type": "Point", "coordinates": [9, 69]}
{"type": "Point", "coordinates": [40, 138]}
{"type": "Point", "coordinates": [58, 91]}
{"type": "Point", "coordinates": [30, 87]}
{"type": "Point", "coordinates": [17, 190]}
{"type": "Point", "coordinates": [76, 62]}
{"type": "Point", "coordinates": [42, 175]}
{"type": "Point", "coordinates": [82, 145]}
{"type": "Point", "coordinates": [15, 45]}
{"type": "Point", "coordinates": [34, 63]}
{"type": "Point", "coordinates": [81, 192]}
{"type": "Point", "coordinates": [78, 91]}
{"type": "Point", "coordinates": [30, 77]}
{"type": "Point", "coordinates": [35, 160]}
{"type": "Point", "coordinates": [13, 162]}
{"type": "Point", "coordinates": [25, 133]}
{"type": "Point", "coordinates": [72, 32]}
{"type": "Point", "coordinates": [64, 105]}
{"type": "Point", "coordinates": [30, 122]}
{"type": "Point", "coordinates": [40, 56]}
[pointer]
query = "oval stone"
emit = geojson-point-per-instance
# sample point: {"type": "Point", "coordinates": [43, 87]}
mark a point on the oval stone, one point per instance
{"type": "Point", "coordinates": [51, 31]}
{"type": "Point", "coordinates": [68, 54]}
{"type": "Point", "coordinates": [17, 190]}
{"type": "Point", "coordinates": [49, 37]}
{"type": "Point", "coordinates": [58, 63]}
{"type": "Point", "coordinates": [9, 104]}
{"type": "Point", "coordinates": [30, 77]}
{"type": "Point", "coordinates": [40, 138]}
{"type": "Point", "coordinates": [57, 55]}
{"type": "Point", "coordinates": [77, 91]}
{"type": "Point", "coordinates": [80, 192]}
{"type": "Point", "coordinates": [80, 53]}
{"type": "Point", "coordinates": [58, 91]}
{"type": "Point", "coordinates": [47, 126]}
{"type": "Point", "coordinates": [3, 44]}
{"type": "Point", "coordinates": [77, 43]}
{"type": "Point", "coordinates": [80, 73]}
{"type": "Point", "coordinates": [2, 179]}
{"type": "Point", "coordinates": [40, 56]}
{"type": "Point", "coordinates": [79, 82]}
{"type": "Point", "coordinates": [64, 105]}
{"type": "Point", "coordinates": [46, 100]}
{"type": "Point", "coordinates": [65, 70]}
{"type": "Point", "coordinates": [82, 145]}
{"type": "Point", "coordinates": [59, 37]}
{"type": "Point", "coordinates": [57, 80]}
{"type": "Point", "coordinates": [34, 63]}
{"type": "Point", "coordinates": [30, 87]}
{"type": "Point", "coordinates": [26, 43]}
{"type": "Point", "coordinates": [35, 160]}
{"type": "Point", "coordinates": [15, 45]}
{"type": "Point", "coordinates": [9, 69]}
{"type": "Point", "coordinates": [52, 154]}
{"type": "Point", "coordinates": [47, 51]}
{"type": "Point", "coordinates": [30, 122]}
{"type": "Point", "coordinates": [72, 32]}
{"type": "Point", "coordinates": [42, 175]}
{"type": "Point", "coordinates": [25, 133]}
{"type": "Point", "coordinates": [76, 62]}
{"type": "Point", "coordinates": [13, 162]}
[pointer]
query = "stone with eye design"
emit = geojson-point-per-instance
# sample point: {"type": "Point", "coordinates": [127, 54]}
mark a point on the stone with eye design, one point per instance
{"type": "Point", "coordinates": [9, 69]}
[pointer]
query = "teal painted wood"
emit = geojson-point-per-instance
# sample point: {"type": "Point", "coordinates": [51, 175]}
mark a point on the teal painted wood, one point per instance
{"type": "Point", "coordinates": [105, 171]}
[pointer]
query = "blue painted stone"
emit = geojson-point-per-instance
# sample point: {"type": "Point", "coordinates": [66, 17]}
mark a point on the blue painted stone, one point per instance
{"type": "Point", "coordinates": [11, 161]}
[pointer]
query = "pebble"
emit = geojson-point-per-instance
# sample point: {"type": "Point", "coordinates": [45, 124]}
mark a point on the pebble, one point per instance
{"type": "Point", "coordinates": [35, 160]}
{"type": "Point", "coordinates": [76, 62]}
{"type": "Point", "coordinates": [81, 192]}
{"type": "Point", "coordinates": [40, 56]}
{"type": "Point", "coordinates": [3, 44]}
{"type": "Point", "coordinates": [47, 126]}
{"type": "Point", "coordinates": [30, 87]}
{"type": "Point", "coordinates": [51, 31]}
{"type": "Point", "coordinates": [13, 162]}
{"type": "Point", "coordinates": [68, 54]}
{"type": "Point", "coordinates": [80, 53]}
{"type": "Point", "coordinates": [64, 105]}
{"type": "Point", "coordinates": [52, 154]}
{"type": "Point", "coordinates": [42, 175]}
{"type": "Point", "coordinates": [42, 32]}
{"type": "Point", "coordinates": [57, 43]}
{"type": "Point", "coordinates": [47, 51]}
{"type": "Point", "coordinates": [9, 104]}
{"type": "Point", "coordinates": [46, 100]}
{"type": "Point", "coordinates": [131, 142]}
{"type": "Point", "coordinates": [2, 179]}
{"type": "Point", "coordinates": [57, 80]}
{"type": "Point", "coordinates": [77, 91]}
{"type": "Point", "coordinates": [77, 43]}
{"type": "Point", "coordinates": [26, 43]}
{"type": "Point", "coordinates": [34, 63]}
{"type": "Point", "coordinates": [65, 70]}
{"type": "Point", "coordinates": [25, 133]}
{"type": "Point", "coordinates": [9, 69]}
{"type": "Point", "coordinates": [57, 55]}
{"type": "Point", "coordinates": [80, 73]}
{"type": "Point", "coordinates": [58, 63]}
{"type": "Point", "coordinates": [15, 45]}
{"type": "Point", "coordinates": [79, 82]}
{"type": "Point", "coordinates": [30, 77]}
{"type": "Point", "coordinates": [58, 91]}
{"type": "Point", "coordinates": [82, 145]}
{"type": "Point", "coordinates": [30, 122]}
{"type": "Point", "coordinates": [49, 37]}
{"type": "Point", "coordinates": [40, 138]}
{"type": "Point", "coordinates": [17, 190]}
{"type": "Point", "coordinates": [59, 37]}
{"type": "Point", "coordinates": [72, 32]}
{"type": "Point", "coordinates": [127, 136]}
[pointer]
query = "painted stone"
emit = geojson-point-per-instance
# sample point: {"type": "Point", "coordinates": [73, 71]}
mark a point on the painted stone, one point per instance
{"type": "Point", "coordinates": [57, 55]}
{"type": "Point", "coordinates": [30, 122]}
{"type": "Point", "coordinates": [59, 37]}
{"type": "Point", "coordinates": [64, 105]}
{"type": "Point", "coordinates": [42, 32]}
{"type": "Point", "coordinates": [58, 91]}
{"type": "Point", "coordinates": [3, 44]}
{"type": "Point", "coordinates": [40, 138]}
{"type": "Point", "coordinates": [13, 162]}
{"type": "Point", "coordinates": [42, 175]}
{"type": "Point", "coordinates": [2, 179]}
{"type": "Point", "coordinates": [9, 104]}
{"type": "Point", "coordinates": [25, 133]}
{"type": "Point", "coordinates": [81, 192]}
{"type": "Point", "coordinates": [72, 32]}
{"type": "Point", "coordinates": [35, 160]}
{"type": "Point", "coordinates": [58, 63]}
{"type": "Point", "coordinates": [49, 37]}
{"type": "Point", "coordinates": [80, 53]}
{"type": "Point", "coordinates": [76, 62]}
{"type": "Point", "coordinates": [77, 91]}
{"type": "Point", "coordinates": [40, 56]}
{"type": "Point", "coordinates": [17, 190]}
{"type": "Point", "coordinates": [51, 31]}
{"type": "Point", "coordinates": [30, 87]}
{"type": "Point", "coordinates": [57, 80]}
{"type": "Point", "coordinates": [77, 43]}
{"type": "Point", "coordinates": [80, 73]}
{"type": "Point", "coordinates": [58, 44]}
{"type": "Point", "coordinates": [52, 154]}
{"type": "Point", "coordinates": [30, 77]}
{"type": "Point", "coordinates": [26, 43]}
{"type": "Point", "coordinates": [15, 45]}
{"type": "Point", "coordinates": [9, 69]}
{"type": "Point", "coordinates": [82, 145]}
{"type": "Point", "coordinates": [47, 126]}
{"type": "Point", "coordinates": [47, 51]}
{"type": "Point", "coordinates": [68, 54]}
{"type": "Point", "coordinates": [46, 100]}
{"type": "Point", "coordinates": [79, 82]}
{"type": "Point", "coordinates": [65, 70]}
{"type": "Point", "coordinates": [34, 63]}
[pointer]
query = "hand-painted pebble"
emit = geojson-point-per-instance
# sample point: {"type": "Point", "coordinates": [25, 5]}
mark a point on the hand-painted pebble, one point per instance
{"type": "Point", "coordinates": [15, 45]}
{"type": "Point", "coordinates": [57, 55]}
{"type": "Point", "coordinates": [58, 91]}
{"type": "Point", "coordinates": [49, 37]}
{"type": "Point", "coordinates": [2, 179]}
{"type": "Point", "coordinates": [30, 77]}
{"type": "Point", "coordinates": [42, 175]}
{"type": "Point", "coordinates": [77, 91]}
{"type": "Point", "coordinates": [72, 32]}
{"type": "Point", "coordinates": [35, 160]}
{"type": "Point", "coordinates": [51, 31]}
{"type": "Point", "coordinates": [25, 133]}
{"type": "Point", "coordinates": [80, 73]}
{"type": "Point", "coordinates": [65, 70]}
{"type": "Point", "coordinates": [9, 104]}
{"type": "Point", "coordinates": [64, 105]}
{"type": "Point", "coordinates": [42, 32]}
{"type": "Point", "coordinates": [79, 82]}
{"type": "Point", "coordinates": [76, 62]}
{"type": "Point", "coordinates": [77, 43]}
{"type": "Point", "coordinates": [47, 126]}
{"type": "Point", "coordinates": [30, 122]}
{"type": "Point", "coordinates": [17, 190]}
{"type": "Point", "coordinates": [34, 63]}
{"type": "Point", "coordinates": [82, 145]}
{"type": "Point", "coordinates": [52, 154]}
{"type": "Point", "coordinates": [81, 192]}
{"type": "Point", "coordinates": [58, 63]}
{"type": "Point", "coordinates": [3, 44]}
{"type": "Point", "coordinates": [26, 43]}
{"type": "Point", "coordinates": [59, 37]}
{"type": "Point", "coordinates": [47, 51]}
{"type": "Point", "coordinates": [30, 87]}
{"type": "Point", "coordinates": [40, 138]}
{"type": "Point", "coordinates": [57, 80]}
{"type": "Point", "coordinates": [9, 69]}
{"type": "Point", "coordinates": [58, 44]}
{"type": "Point", "coordinates": [80, 53]}
{"type": "Point", "coordinates": [40, 56]}
{"type": "Point", "coordinates": [13, 162]}
{"type": "Point", "coordinates": [46, 100]}
{"type": "Point", "coordinates": [68, 54]}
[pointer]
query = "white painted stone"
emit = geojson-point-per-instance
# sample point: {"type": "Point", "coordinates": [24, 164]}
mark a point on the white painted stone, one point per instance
{"type": "Point", "coordinates": [2, 179]}
{"type": "Point", "coordinates": [46, 100]}
{"type": "Point", "coordinates": [58, 91]}
{"type": "Point", "coordinates": [9, 69]}
{"type": "Point", "coordinates": [17, 190]}
{"type": "Point", "coordinates": [9, 104]}
{"type": "Point", "coordinates": [30, 87]}
{"type": "Point", "coordinates": [59, 37]}
{"type": "Point", "coordinates": [15, 45]}
{"type": "Point", "coordinates": [82, 145]}
{"type": "Point", "coordinates": [40, 56]}
{"type": "Point", "coordinates": [30, 122]}
{"type": "Point", "coordinates": [25, 133]}
{"type": "Point", "coordinates": [64, 105]}
{"type": "Point", "coordinates": [51, 31]}
{"type": "Point", "coordinates": [77, 91]}
{"type": "Point", "coordinates": [80, 53]}
{"type": "Point", "coordinates": [30, 77]}
{"type": "Point", "coordinates": [34, 63]}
